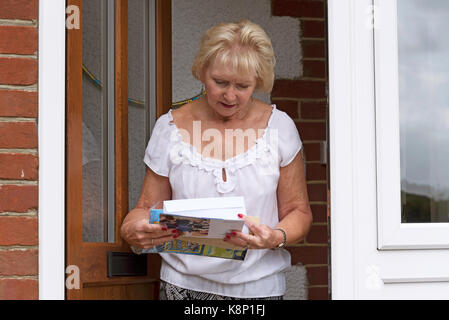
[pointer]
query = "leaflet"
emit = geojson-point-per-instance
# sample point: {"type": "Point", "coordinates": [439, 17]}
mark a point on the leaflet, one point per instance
{"type": "Point", "coordinates": [203, 223]}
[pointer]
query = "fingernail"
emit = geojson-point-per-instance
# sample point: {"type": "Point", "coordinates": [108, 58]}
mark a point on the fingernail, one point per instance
{"type": "Point", "coordinates": [240, 215]}
{"type": "Point", "coordinates": [164, 229]}
{"type": "Point", "coordinates": [234, 233]}
{"type": "Point", "coordinates": [175, 236]}
{"type": "Point", "coordinates": [175, 231]}
{"type": "Point", "coordinates": [228, 237]}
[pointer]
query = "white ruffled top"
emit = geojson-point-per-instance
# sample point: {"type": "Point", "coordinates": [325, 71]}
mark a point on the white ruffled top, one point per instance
{"type": "Point", "coordinates": [254, 175]}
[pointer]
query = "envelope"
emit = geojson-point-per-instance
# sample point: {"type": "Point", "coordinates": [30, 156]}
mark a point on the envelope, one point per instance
{"type": "Point", "coordinates": [207, 218]}
{"type": "Point", "coordinates": [225, 208]}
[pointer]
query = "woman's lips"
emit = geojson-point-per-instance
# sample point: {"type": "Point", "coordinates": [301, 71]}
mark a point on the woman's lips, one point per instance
{"type": "Point", "coordinates": [227, 105]}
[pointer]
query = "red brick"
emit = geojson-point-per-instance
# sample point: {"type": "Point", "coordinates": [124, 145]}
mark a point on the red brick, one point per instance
{"type": "Point", "coordinates": [317, 192]}
{"type": "Point", "coordinates": [19, 289]}
{"type": "Point", "coordinates": [308, 255]}
{"type": "Point", "coordinates": [313, 29]}
{"type": "Point", "coordinates": [313, 49]}
{"type": "Point", "coordinates": [19, 262]}
{"type": "Point", "coordinates": [18, 71]}
{"type": "Point", "coordinates": [318, 276]}
{"type": "Point", "coordinates": [288, 106]}
{"type": "Point", "coordinates": [19, 9]}
{"type": "Point", "coordinates": [320, 293]}
{"type": "Point", "coordinates": [18, 135]}
{"type": "Point", "coordinates": [317, 234]}
{"type": "Point", "coordinates": [18, 104]}
{"type": "Point", "coordinates": [319, 212]}
{"type": "Point", "coordinates": [18, 231]}
{"type": "Point", "coordinates": [313, 110]}
{"type": "Point", "coordinates": [18, 198]}
{"type": "Point", "coordinates": [312, 130]}
{"type": "Point", "coordinates": [312, 151]}
{"type": "Point", "coordinates": [306, 89]}
{"type": "Point", "coordinates": [18, 166]}
{"type": "Point", "coordinates": [315, 172]}
{"type": "Point", "coordinates": [298, 8]}
{"type": "Point", "coordinates": [314, 69]}
{"type": "Point", "coordinates": [18, 40]}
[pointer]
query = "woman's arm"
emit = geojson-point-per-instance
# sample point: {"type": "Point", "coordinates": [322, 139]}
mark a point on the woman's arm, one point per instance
{"type": "Point", "coordinates": [136, 229]}
{"type": "Point", "coordinates": [295, 215]}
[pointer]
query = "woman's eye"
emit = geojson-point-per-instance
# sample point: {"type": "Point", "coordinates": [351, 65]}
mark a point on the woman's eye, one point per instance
{"type": "Point", "coordinates": [220, 83]}
{"type": "Point", "coordinates": [243, 87]}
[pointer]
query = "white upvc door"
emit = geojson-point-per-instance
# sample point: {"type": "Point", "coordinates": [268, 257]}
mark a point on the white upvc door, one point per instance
{"type": "Point", "coordinates": [389, 148]}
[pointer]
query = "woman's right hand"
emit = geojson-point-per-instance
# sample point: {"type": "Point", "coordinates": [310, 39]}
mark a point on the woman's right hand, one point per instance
{"type": "Point", "coordinates": [139, 233]}
{"type": "Point", "coordinates": [136, 228]}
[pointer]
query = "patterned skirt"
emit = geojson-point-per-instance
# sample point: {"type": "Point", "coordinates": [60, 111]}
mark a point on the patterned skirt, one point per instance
{"type": "Point", "coordinates": [171, 292]}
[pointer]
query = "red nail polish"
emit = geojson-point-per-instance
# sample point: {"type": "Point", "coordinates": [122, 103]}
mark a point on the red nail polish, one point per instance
{"type": "Point", "coordinates": [228, 237]}
{"type": "Point", "coordinates": [164, 229]}
{"type": "Point", "coordinates": [175, 236]}
{"type": "Point", "coordinates": [175, 231]}
{"type": "Point", "coordinates": [240, 215]}
{"type": "Point", "coordinates": [234, 233]}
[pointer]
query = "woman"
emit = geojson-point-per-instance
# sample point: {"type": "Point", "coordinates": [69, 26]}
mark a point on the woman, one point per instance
{"type": "Point", "coordinates": [234, 60]}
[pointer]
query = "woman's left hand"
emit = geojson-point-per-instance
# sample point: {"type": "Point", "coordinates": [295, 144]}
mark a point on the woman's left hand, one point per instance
{"type": "Point", "coordinates": [263, 236]}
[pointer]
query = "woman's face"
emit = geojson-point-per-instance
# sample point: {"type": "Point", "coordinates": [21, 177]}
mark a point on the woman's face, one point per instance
{"type": "Point", "coordinates": [228, 93]}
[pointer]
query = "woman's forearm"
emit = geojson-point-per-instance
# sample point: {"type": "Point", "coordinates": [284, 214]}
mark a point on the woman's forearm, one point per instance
{"type": "Point", "coordinates": [296, 225]}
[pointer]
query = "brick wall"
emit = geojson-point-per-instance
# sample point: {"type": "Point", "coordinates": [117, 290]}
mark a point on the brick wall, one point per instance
{"type": "Point", "coordinates": [18, 149]}
{"type": "Point", "coordinates": [305, 100]}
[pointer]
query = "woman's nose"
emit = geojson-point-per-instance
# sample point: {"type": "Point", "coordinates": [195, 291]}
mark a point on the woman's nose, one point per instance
{"type": "Point", "coordinates": [229, 94]}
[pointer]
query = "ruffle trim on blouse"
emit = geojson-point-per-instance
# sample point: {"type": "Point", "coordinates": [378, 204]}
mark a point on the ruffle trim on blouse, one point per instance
{"type": "Point", "coordinates": [262, 150]}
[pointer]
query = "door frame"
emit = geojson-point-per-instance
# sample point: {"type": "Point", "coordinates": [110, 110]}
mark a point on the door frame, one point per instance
{"type": "Point", "coordinates": [51, 146]}
{"type": "Point", "coordinates": [352, 145]}
{"type": "Point", "coordinates": [51, 137]}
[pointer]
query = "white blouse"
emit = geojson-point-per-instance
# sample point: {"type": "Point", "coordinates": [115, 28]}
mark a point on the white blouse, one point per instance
{"type": "Point", "coordinates": [254, 175]}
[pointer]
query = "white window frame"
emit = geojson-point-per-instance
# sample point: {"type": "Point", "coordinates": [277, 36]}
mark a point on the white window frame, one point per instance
{"type": "Point", "coordinates": [392, 234]}
{"type": "Point", "coordinates": [51, 146]}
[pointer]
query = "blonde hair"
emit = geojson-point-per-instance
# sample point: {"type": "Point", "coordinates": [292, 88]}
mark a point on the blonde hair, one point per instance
{"type": "Point", "coordinates": [244, 46]}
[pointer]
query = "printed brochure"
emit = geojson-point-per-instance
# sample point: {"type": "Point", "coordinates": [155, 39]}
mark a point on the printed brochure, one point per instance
{"type": "Point", "coordinates": [203, 223]}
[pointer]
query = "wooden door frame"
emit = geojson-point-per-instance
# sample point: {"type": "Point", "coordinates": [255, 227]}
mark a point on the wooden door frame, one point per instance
{"type": "Point", "coordinates": [74, 124]}
{"type": "Point", "coordinates": [74, 242]}
{"type": "Point", "coordinates": [163, 57]}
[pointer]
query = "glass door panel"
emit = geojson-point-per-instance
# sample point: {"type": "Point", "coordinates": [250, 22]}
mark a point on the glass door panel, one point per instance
{"type": "Point", "coordinates": [98, 121]}
{"type": "Point", "coordinates": [423, 62]}
{"type": "Point", "coordinates": [411, 112]}
{"type": "Point", "coordinates": [141, 80]}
